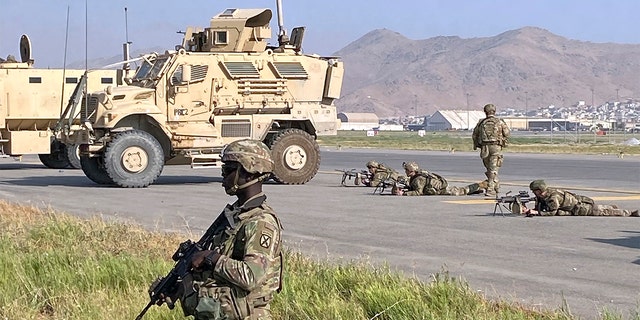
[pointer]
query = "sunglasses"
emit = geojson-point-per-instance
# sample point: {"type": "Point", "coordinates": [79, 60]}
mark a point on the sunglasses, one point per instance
{"type": "Point", "coordinates": [228, 169]}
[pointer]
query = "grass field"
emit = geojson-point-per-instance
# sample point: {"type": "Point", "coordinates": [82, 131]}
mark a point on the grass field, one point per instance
{"type": "Point", "coordinates": [586, 143]}
{"type": "Point", "coordinates": [55, 266]}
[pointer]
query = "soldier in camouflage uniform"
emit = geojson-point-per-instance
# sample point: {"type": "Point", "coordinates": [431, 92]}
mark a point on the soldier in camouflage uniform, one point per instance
{"type": "Point", "coordinates": [379, 173]}
{"type": "Point", "coordinates": [241, 270]}
{"type": "Point", "coordinates": [422, 182]}
{"type": "Point", "coordinates": [491, 134]}
{"type": "Point", "coordinates": [558, 202]}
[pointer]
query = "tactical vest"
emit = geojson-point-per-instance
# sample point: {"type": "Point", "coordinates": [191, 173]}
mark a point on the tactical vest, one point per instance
{"type": "Point", "coordinates": [435, 182]}
{"type": "Point", "coordinates": [491, 131]}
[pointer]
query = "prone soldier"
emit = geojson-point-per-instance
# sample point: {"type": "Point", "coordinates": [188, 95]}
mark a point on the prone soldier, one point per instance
{"type": "Point", "coordinates": [380, 173]}
{"type": "Point", "coordinates": [558, 202]}
{"type": "Point", "coordinates": [422, 182]}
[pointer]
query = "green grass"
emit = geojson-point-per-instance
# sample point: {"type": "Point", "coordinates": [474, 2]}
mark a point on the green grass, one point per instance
{"type": "Point", "coordinates": [585, 143]}
{"type": "Point", "coordinates": [55, 266]}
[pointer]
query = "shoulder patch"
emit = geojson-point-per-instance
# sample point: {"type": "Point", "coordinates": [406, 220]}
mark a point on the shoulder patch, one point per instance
{"type": "Point", "coordinates": [265, 240]}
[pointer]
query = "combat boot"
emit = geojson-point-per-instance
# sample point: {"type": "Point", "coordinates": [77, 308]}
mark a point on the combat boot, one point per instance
{"type": "Point", "coordinates": [492, 184]}
{"type": "Point", "coordinates": [483, 185]}
{"type": "Point", "coordinates": [635, 213]}
{"type": "Point", "coordinates": [474, 188]}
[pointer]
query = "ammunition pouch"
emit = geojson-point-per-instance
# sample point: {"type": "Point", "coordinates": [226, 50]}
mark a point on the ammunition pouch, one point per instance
{"type": "Point", "coordinates": [212, 302]}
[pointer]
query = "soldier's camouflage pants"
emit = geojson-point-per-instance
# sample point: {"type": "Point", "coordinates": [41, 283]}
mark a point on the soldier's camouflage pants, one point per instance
{"type": "Point", "coordinates": [586, 209]}
{"type": "Point", "coordinates": [492, 158]}
{"type": "Point", "coordinates": [462, 191]}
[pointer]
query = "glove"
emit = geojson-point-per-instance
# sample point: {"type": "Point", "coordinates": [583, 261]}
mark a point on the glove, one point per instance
{"type": "Point", "coordinates": [204, 259]}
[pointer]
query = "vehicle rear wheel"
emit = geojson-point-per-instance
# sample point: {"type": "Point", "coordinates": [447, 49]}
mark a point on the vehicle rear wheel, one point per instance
{"type": "Point", "coordinates": [73, 156]}
{"type": "Point", "coordinates": [134, 159]}
{"type": "Point", "coordinates": [93, 168]}
{"type": "Point", "coordinates": [57, 159]}
{"type": "Point", "coordinates": [296, 156]}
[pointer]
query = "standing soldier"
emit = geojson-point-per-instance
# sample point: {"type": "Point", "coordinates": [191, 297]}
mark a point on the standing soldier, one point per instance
{"type": "Point", "coordinates": [238, 274]}
{"type": "Point", "coordinates": [491, 134]}
{"type": "Point", "coordinates": [558, 202]}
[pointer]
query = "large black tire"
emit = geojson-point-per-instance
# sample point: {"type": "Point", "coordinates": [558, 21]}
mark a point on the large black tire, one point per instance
{"type": "Point", "coordinates": [93, 168]}
{"type": "Point", "coordinates": [134, 159]}
{"type": "Point", "coordinates": [57, 159]}
{"type": "Point", "coordinates": [296, 156]}
{"type": "Point", "coordinates": [73, 156]}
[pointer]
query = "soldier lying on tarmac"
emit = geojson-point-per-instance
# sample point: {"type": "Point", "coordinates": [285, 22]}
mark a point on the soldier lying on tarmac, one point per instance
{"type": "Point", "coordinates": [422, 182]}
{"type": "Point", "coordinates": [558, 202]}
{"type": "Point", "coordinates": [379, 173]}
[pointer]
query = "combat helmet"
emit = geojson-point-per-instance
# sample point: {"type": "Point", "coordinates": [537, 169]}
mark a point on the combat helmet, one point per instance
{"type": "Point", "coordinates": [253, 155]}
{"type": "Point", "coordinates": [538, 185]}
{"type": "Point", "coordinates": [489, 108]}
{"type": "Point", "coordinates": [372, 164]}
{"type": "Point", "coordinates": [411, 166]}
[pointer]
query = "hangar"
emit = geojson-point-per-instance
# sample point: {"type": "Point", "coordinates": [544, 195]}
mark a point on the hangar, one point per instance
{"type": "Point", "coordinates": [358, 121]}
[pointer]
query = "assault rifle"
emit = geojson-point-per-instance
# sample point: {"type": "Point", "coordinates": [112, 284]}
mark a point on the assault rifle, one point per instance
{"type": "Point", "coordinates": [168, 289]}
{"type": "Point", "coordinates": [353, 173]}
{"type": "Point", "coordinates": [165, 290]}
{"type": "Point", "coordinates": [392, 183]}
{"type": "Point", "coordinates": [513, 203]}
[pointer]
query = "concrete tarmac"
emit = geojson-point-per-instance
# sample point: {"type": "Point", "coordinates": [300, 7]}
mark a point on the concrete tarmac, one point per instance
{"type": "Point", "coordinates": [592, 263]}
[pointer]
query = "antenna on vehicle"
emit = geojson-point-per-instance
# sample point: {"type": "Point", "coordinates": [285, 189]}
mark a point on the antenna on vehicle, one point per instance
{"type": "Point", "coordinates": [64, 62]}
{"type": "Point", "coordinates": [125, 46]}
{"type": "Point", "coordinates": [283, 39]}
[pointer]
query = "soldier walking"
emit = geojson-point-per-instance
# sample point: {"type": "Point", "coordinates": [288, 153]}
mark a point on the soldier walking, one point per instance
{"type": "Point", "coordinates": [491, 134]}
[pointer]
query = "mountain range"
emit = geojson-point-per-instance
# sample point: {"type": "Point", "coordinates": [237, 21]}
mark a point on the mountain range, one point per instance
{"type": "Point", "coordinates": [391, 75]}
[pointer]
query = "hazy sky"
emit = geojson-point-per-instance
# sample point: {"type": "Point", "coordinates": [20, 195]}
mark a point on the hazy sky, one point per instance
{"type": "Point", "coordinates": [331, 24]}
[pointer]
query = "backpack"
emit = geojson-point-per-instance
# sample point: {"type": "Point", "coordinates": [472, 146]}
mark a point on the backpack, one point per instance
{"type": "Point", "coordinates": [435, 180]}
{"type": "Point", "coordinates": [491, 130]}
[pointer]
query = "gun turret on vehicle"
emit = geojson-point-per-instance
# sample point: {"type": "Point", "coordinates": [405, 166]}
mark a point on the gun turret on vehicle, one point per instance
{"type": "Point", "coordinates": [223, 83]}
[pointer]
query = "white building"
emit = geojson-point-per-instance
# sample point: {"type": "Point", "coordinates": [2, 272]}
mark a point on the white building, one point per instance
{"type": "Point", "coordinates": [358, 121]}
{"type": "Point", "coordinates": [453, 120]}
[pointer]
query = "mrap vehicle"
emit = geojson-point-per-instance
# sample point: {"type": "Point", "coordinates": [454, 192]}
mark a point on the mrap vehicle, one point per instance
{"type": "Point", "coordinates": [31, 100]}
{"type": "Point", "coordinates": [223, 83]}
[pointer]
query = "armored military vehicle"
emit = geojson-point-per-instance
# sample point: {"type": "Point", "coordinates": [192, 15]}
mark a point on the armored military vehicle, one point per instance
{"type": "Point", "coordinates": [30, 103]}
{"type": "Point", "coordinates": [223, 83]}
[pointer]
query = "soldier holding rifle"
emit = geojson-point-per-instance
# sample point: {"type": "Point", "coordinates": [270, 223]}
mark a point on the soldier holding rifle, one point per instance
{"type": "Point", "coordinates": [558, 202]}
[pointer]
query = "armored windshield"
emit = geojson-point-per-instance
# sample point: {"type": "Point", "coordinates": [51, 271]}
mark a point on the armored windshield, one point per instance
{"type": "Point", "coordinates": [150, 71]}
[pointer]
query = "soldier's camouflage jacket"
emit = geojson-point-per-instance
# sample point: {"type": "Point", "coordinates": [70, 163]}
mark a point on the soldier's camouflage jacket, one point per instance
{"type": "Point", "coordinates": [558, 202]}
{"type": "Point", "coordinates": [383, 174]}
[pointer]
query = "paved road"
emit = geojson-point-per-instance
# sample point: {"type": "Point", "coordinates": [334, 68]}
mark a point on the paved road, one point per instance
{"type": "Point", "coordinates": [592, 262]}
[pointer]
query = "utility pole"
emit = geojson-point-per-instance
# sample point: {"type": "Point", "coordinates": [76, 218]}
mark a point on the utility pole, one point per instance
{"type": "Point", "coordinates": [526, 110]}
{"type": "Point", "coordinates": [468, 111]}
{"type": "Point", "coordinates": [617, 95]}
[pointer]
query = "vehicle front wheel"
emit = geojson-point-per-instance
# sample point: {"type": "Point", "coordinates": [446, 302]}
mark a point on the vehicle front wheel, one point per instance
{"type": "Point", "coordinates": [134, 159]}
{"type": "Point", "coordinates": [296, 156]}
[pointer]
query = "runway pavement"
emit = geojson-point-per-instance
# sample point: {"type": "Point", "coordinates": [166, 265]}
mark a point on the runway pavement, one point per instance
{"type": "Point", "coordinates": [591, 262]}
